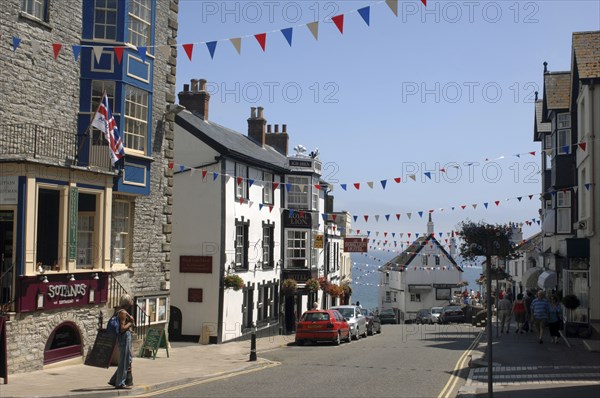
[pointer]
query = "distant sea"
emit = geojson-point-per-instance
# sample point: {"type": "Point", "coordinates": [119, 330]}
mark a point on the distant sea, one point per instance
{"type": "Point", "coordinates": [365, 289]}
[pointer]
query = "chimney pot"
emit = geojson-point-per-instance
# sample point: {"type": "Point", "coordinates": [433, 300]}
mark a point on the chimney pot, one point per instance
{"type": "Point", "coordinates": [276, 128]}
{"type": "Point", "coordinates": [268, 128]}
{"type": "Point", "coordinates": [536, 95]}
{"type": "Point", "coordinates": [260, 112]}
{"type": "Point", "coordinates": [186, 87]}
{"type": "Point", "coordinates": [545, 67]}
{"type": "Point", "coordinates": [284, 128]}
{"type": "Point", "coordinates": [194, 85]}
{"type": "Point", "coordinates": [202, 84]}
{"type": "Point", "coordinates": [252, 112]}
{"type": "Point", "coordinates": [195, 101]}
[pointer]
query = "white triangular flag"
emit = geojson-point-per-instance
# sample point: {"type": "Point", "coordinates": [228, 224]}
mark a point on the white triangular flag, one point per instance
{"type": "Point", "coordinates": [98, 52]}
{"type": "Point", "coordinates": [314, 29]}
{"type": "Point", "coordinates": [237, 43]}
{"type": "Point", "coordinates": [393, 4]}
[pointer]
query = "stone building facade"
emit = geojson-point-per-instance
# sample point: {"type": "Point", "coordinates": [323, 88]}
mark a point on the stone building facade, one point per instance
{"type": "Point", "coordinates": [76, 231]}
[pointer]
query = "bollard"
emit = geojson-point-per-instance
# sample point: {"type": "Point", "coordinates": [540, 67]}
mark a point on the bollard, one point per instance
{"type": "Point", "coordinates": [253, 345]}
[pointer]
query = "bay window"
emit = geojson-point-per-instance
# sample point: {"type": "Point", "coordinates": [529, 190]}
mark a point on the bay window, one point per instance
{"type": "Point", "coordinates": [296, 249]}
{"type": "Point", "coordinates": [136, 119]}
{"type": "Point", "coordinates": [105, 20]}
{"type": "Point", "coordinates": [140, 22]}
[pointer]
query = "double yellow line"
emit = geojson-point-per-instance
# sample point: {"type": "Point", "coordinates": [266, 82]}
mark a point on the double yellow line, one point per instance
{"type": "Point", "coordinates": [460, 364]}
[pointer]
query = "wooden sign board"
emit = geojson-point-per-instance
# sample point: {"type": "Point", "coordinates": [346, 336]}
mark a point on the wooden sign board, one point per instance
{"type": "Point", "coordinates": [356, 245]}
{"type": "Point", "coordinates": [318, 241]}
{"type": "Point", "coordinates": [194, 295]}
{"type": "Point", "coordinates": [102, 351]}
{"type": "Point", "coordinates": [155, 339]}
{"type": "Point", "coordinates": [195, 264]}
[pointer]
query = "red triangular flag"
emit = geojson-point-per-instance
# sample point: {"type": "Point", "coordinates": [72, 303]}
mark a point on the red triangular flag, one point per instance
{"type": "Point", "coordinates": [532, 153]}
{"type": "Point", "coordinates": [318, 186]}
{"type": "Point", "coordinates": [189, 48]}
{"type": "Point", "coordinates": [338, 20]}
{"type": "Point", "coordinates": [270, 208]}
{"type": "Point", "coordinates": [262, 40]}
{"type": "Point", "coordinates": [275, 185]}
{"type": "Point", "coordinates": [203, 174]}
{"type": "Point", "coordinates": [398, 216]}
{"type": "Point", "coordinates": [334, 216]}
{"type": "Point", "coordinates": [357, 185]}
{"type": "Point", "coordinates": [241, 201]}
{"type": "Point", "coordinates": [171, 165]}
{"type": "Point", "coordinates": [582, 146]}
{"type": "Point", "coordinates": [463, 206]}
{"type": "Point", "coordinates": [497, 202]}
{"type": "Point", "coordinates": [56, 47]}
{"type": "Point", "coordinates": [366, 217]}
{"type": "Point", "coordinates": [397, 179]}
{"type": "Point", "coordinates": [119, 54]}
{"type": "Point", "coordinates": [424, 2]}
{"type": "Point", "coordinates": [239, 180]}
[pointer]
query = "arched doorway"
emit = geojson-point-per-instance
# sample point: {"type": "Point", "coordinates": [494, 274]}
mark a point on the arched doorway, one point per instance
{"type": "Point", "coordinates": [175, 324]}
{"type": "Point", "coordinates": [63, 343]}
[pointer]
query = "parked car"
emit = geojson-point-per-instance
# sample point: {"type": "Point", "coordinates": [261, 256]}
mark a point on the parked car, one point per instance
{"type": "Point", "coordinates": [322, 325]}
{"type": "Point", "coordinates": [388, 316]}
{"type": "Point", "coordinates": [452, 313]}
{"type": "Point", "coordinates": [373, 322]}
{"type": "Point", "coordinates": [424, 316]}
{"type": "Point", "coordinates": [355, 318]}
{"type": "Point", "coordinates": [435, 314]}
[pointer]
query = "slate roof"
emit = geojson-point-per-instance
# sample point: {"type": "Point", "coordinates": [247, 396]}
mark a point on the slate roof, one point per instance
{"type": "Point", "coordinates": [540, 127]}
{"type": "Point", "coordinates": [231, 143]}
{"type": "Point", "coordinates": [557, 90]}
{"type": "Point", "coordinates": [586, 54]}
{"type": "Point", "coordinates": [530, 243]}
{"type": "Point", "coordinates": [412, 251]}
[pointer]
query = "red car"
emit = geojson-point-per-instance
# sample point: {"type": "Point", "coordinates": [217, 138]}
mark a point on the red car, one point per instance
{"type": "Point", "coordinates": [322, 325]}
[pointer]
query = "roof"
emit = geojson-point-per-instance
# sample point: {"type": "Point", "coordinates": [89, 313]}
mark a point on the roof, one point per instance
{"type": "Point", "coordinates": [231, 143]}
{"type": "Point", "coordinates": [531, 243]}
{"type": "Point", "coordinates": [557, 90]}
{"type": "Point", "coordinates": [586, 54]}
{"type": "Point", "coordinates": [412, 251]}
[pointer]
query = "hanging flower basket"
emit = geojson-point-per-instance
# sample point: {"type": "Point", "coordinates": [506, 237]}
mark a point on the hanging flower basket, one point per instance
{"type": "Point", "coordinates": [324, 283]}
{"type": "Point", "coordinates": [571, 301]}
{"type": "Point", "coordinates": [335, 290]}
{"type": "Point", "coordinates": [289, 286]}
{"type": "Point", "coordinates": [312, 285]}
{"type": "Point", "coordinates": [347, 290]}
{"type": "Point", "coordinates": [234, 282]}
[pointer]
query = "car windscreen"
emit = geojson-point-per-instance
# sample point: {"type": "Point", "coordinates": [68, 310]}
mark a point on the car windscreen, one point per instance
{"type": "Point", "coordinates": [436, 310]}
{"type": "Point", "coordinates": [315, 316]}
{"type": "Point", "coordinates": [346, 312]}
{"type": "Point", "coordinates": [387, 312]}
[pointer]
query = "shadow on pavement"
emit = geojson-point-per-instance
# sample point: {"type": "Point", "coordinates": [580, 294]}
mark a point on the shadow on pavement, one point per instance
{"type": "Point", "coordinates": [588, 390]}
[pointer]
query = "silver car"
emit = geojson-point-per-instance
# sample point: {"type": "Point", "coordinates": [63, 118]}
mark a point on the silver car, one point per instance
{"type": "Point", "coordinates": [435, 314]}
{"type": "Point", "coordinates": [355, 318]}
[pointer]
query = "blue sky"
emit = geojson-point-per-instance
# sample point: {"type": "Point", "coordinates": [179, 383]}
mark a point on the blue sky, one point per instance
{"type": "Point", "coordinates": [446, 86]}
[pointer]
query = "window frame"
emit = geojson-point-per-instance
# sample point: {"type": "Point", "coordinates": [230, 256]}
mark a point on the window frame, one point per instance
{"type": "Point", "coordinates": [241, 189]}
{"type": "Point", "coordinates": [241, 244]}
{"type": "Point", "coordinates": [133, 114]}
{"type": "Point", "coordinates": [36, 9]}
{"type": "Point", "coordinates": [127, 256]}
{"type": "Point", "coordinates": [415, 297]}
{"type": "Point", "coordinates": [268, 245]}
{"type": "Point", "coordinates": [563, 199]}
{"type": "Point", "coordinates": [268, 197]}
{"type": "Point", "coordinates": [566, 226]}
{"type": "Point", "coordinates": [298, 184]}
{"type": "Point", "coordinates": [106, 10]}
{"type": "Point", "coordinates": [137, 19]}
{"type": "Point", "coordinates": [292, 251]}
{"type": "Point", "coordinates": [154, 316]}
{"type": "Point", "coordinates": [96, 233]}
{"type": "Point", "coordinates": [563, 142]}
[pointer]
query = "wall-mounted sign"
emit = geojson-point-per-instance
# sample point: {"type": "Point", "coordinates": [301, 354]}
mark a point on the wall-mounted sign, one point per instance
{"type": "Point", "coordinates": [195, 264]}
{"type": "Point", "coordinates": [318, 241]}
{"type": "Point", "coordinates": [299, 276]}
{"type": "Point", "coordinates": [9, 190]}
{"type": "Point", "coordinates": [301, 163]}
{"type": "Point", "coordinates": [73, 219]}
{"type": "Point", "coordinates": [194, 295]}
{"type": "Point", "coordinates": [297, 219]}
{"type": "Point", "coordinates": [356, 245]}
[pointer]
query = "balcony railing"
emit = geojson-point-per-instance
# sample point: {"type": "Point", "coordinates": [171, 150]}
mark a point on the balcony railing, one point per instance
{"type": "Point", "coordinates": [26, 141]}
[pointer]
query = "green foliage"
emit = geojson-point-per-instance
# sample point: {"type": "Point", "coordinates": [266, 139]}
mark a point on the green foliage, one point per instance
{"type": "Point", "coordinates": [289, 285]}
{"type": "Point", "coordinates": [482, 239]}
{"type": "Point", "coordinates": [233, 281]}
{"type": "Point", "coordinates": [571, 301]}
{"type": "Point", "coordinates": [312, 285]}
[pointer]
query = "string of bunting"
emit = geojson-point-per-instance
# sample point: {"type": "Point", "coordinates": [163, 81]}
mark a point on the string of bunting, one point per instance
{"type": "Point", "coordinates": [261, 38]}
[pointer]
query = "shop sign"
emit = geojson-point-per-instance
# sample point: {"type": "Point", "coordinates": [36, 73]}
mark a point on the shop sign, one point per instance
{"type": "Point", "coordinates": [318, 241]}
{"type": "Point", "coordinates": [9, 190]}
{"type": "Point", "coordinates": [356, 245]}
{"type": "Point", "coordinates": [297, 219]}
{"type": "Point", "coordinates": [195, 264]}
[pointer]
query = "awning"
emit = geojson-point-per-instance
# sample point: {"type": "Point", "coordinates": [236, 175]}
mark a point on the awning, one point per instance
{"type": "Point", "coordinates": [547, 280]}
{"type": "Point", "coordinates": [530, 277]}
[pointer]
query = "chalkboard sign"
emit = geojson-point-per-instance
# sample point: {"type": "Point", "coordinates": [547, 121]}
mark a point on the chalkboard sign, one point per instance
{"type": "Point", "coordinates": [155, 339]}
{"type": "Point", "coordinates": [3, 356]}
{"type": "Point", "coordinates": [102, 352]}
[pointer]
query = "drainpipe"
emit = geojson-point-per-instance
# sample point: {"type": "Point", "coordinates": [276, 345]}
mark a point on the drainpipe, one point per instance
{"type": "Point", "coordinates": [593, 143]}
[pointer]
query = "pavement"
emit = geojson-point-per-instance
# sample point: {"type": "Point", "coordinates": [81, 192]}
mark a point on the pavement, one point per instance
{"type": "Point", "coordinates": [522, 368]}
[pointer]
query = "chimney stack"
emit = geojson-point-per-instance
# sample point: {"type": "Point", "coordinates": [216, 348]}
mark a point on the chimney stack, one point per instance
{"type": "Point", "coordinates": [279, 141]}
{"type": "Point", "coordinates": [257, 125]}
{"type": "Point", "coordinates": [195, 100]}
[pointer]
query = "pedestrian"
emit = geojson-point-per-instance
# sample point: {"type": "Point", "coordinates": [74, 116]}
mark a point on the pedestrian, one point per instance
{"type": "Point", "coordinates": [520, 310]}
{"type": "Point", "coordinates": [509, 296]}
{"type": "Point", "coordinates": [358, 305]}
{"type": "Point", "coordinates": [315, 306]}
{"type": "Point", "coordinates": [540, 310]}
{"type": "Point", "coordinates": [528, 327]}
{"type": "Point", "coordinates": [554, 318]}
{"type": "Point", "coordinates": [126, 324]}
{"type": "Point", "coordinates": [504, 310]}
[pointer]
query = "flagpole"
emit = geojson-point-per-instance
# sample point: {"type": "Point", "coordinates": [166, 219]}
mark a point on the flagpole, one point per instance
{"type": "Point", "coordinates": [89, 127]}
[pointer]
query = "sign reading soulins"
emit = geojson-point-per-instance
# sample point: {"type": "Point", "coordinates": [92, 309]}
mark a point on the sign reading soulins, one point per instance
{"type": "Point", "coordinates": [355, 244]}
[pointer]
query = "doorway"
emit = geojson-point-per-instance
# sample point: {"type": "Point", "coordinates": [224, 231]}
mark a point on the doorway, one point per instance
{"type": "Point", "coordinates": [7, 259]}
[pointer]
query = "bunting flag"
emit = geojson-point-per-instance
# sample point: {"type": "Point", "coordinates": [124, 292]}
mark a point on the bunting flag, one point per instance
{"type": "Point", "coordinates": [365, 14]}
{"type": "Point", "coordinates": [383, 182]}
{"type": "Point", "coordinates": [237, 44]}
{"type": "Point", "coordinates": [98, 53]}
{"type": "Point", "coordinates": [581, 145]}
{"type": "Point", "coordinates": [261, 38]}
{"type": "Point", "coordinates": [314, 29]}
{"type": "Point", "coordinates": [16, 42]}
{"type": "Point", "coordinates": [142, 53]}
{"type": "Point", "coordinates": [393, 5]}
{"type": "Point", "coordinates": [287, 33]}
{"type": "Point", "coordinates": [56, 48]}
{"type": "Point", "coordinates": [76, 50]}
{"type": "Point", "coordinates": [118, 54]}
{"type": "Point", "coordinates": [189, 49]}
{"type": "Point", "coordinates": [212, 47]}
{"type": "Point", "coordinates": [338, 20]}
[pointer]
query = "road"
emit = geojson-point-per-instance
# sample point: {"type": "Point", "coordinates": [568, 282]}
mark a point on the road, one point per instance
{"type": "Point", "coordinates": [403, 361]}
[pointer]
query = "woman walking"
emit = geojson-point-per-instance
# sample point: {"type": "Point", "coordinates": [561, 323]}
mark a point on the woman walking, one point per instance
{"type": "Point", "coordinates": [554, 319]}
{"type": "Point", "coordinates": [126, 324]}
{"type": "Point", "coordinates": [520, 310]}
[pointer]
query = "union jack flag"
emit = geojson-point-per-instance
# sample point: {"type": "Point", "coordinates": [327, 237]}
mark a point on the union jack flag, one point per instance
{"type": "Point", "coordinates": [104, 121]}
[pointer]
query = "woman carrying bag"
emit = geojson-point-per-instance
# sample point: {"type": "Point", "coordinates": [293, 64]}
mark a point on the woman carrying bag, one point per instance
{"type": "Point", "coordinates": [554, 319]}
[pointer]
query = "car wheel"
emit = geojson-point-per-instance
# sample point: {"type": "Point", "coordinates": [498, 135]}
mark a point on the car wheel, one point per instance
{"type": "Point", "coordinates": [356, 335]}
{"type": "Point", "coordinates": [366, 333]}
{"type": "Point", "coordinates": [338, 339]}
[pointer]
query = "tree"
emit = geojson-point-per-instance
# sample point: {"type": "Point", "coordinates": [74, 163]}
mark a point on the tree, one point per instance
{"type": "Point", "coordinates": [486, 240]}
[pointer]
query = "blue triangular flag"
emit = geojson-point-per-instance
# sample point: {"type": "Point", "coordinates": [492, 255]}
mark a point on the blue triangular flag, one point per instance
{"type": "Point", "coordinates": [287, 33]}
{"type": "Point", "coordinates": [16, 42]}
{"type": "Point", "coordinates": [215, 175]}
{"type": "Point", "coordinates": [441, 233]}
{"type": "Point", "coordinates": [393, 235]}
{"type": "Point", "coordinates": [250, 182]}
{"type": "Point", "coordinates": [212, 46]}
{"type": "Point", "coordinates": [324, 216]}
{"type": "Point", "coordinates": [383, 182]}
{"type": "Point", "coordinates": [417, 234]}
{"type": "Point", "coordinates": [364, 13]}
{"type": "Point", "coordinates": [485, 204]}
{"type": "Point", "coordinates": [369, 234]}
{"type": "Point", "coordinates": [519, 198]}
{"type": "Point", "coordinates": [181, 168]}
{"type": "Point", "coordinates": [387, 217]}
{"type": "Point", "coordinates": [343, 186]}
{"type": "Point", "coordinates": [76, 51]}
{"type": "Point", "coordinates": [355, 218]}
{"type": "Point", "coordinates": [420, 214]}
{"type": "Point", "coordinates": [142, 52]}
{"type": "Point", "coordinates": [428, 174]}
{"type": "Point", "coordinates": [587, 186]}
{"type": "Point", "coordinates": [260, 206]}
{"type": "Point", "coordinates": [291, 212]}
{"type": "Point", "coordinates": [288, 187]}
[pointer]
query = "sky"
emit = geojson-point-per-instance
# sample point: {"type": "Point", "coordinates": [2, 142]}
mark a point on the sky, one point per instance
{"type": "Point", "coordinates": [446, 89]}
